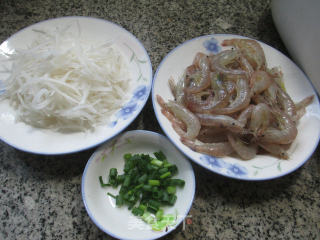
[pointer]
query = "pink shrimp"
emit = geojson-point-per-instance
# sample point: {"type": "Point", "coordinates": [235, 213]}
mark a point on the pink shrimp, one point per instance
{"type": "Point", "coordinates": [301, 107]}
{"type": "Point", "coordinates": [212, 135]}
{"type": "Point", "coordinates": [218, 99]}
{"type": "Point", "coordinates": [259, 82]}
{"type": "Point", "coordinates": [177, 90]}
{"type": "Point", "coordinates": [251, 50]}
{"type": "Point", "coordinates": [260, 119]}
{"type": "Point", "coordinates": [220, 61]}
{"type": "Point", "coordinates": [286, 133]}
{"type": "Point", "coordinates": [198, 76]}
{"type": "Point", "coordinates": [213, 149]}
{"type": "Point", "coordinates": [241, 101]}
{"type": "Point", "coordinates": [182, 113]}
{"type": "Point", "coordinates": [221, 121]}
{"type": "Point", "coordinates": [246, 66]}
{"type": "Point", "coordinates": [245, 115]}
{"type": "Point", "coordinates": [245, 151]}
{"type": "Point", "coordinates": [166, 112]}
{"type": "Point", "coordinates": [275, 149]}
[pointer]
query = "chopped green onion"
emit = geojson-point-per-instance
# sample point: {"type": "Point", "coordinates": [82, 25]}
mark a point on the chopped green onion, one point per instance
{"type": "Point", "coordinates": [157, 162]}
{"type": "Point", "coordinates": [143, 178]}
{"type": "Point", "coordinates": [102, 184]}
{"type": "Point", "coordinates": [160, 155]}
{"type": "Point", "coordinates": [163, 170]}
{"type": "Point", "coordinates": [165, 175]}
{"type": "Point", "coordinates": [159, 214]}
{"type": "Point", "coordinates": [177, 182]}
{"type": "Point", "coordinates": [126, 181]}
{"type": "Point", "coordinates": [172, 199]}
{"type": "Point", "coordinates": [119, 200]}
{"type": "Point", "coordinates": [146, 186]}
{"type": "Point", "coordinates": [137, 211]}
{"type": "Point", "coordinates": [111, 195]}
{"type": "Point", "coordinates": [171, 189]}
{"type": "Point", "coordinates": [154, 182]}
{"type": "Point", "coordinates": [146, 217]}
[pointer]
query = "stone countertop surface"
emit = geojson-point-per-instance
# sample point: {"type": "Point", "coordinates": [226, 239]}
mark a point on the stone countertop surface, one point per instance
{"type": "Point", "coordinates": [40, 196]}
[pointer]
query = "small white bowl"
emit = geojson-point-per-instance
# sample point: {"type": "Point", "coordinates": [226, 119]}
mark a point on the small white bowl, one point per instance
{"type": "Point", "coordinates": [262, 167]}
{"type": "Point", "coordinates": [45, 141]}
{"type": "Point", "coordinates": [119, 222]}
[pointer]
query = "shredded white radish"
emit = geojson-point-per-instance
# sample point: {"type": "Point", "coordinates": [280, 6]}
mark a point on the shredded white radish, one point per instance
{"type": "Point", "coordinates": [63, 82]}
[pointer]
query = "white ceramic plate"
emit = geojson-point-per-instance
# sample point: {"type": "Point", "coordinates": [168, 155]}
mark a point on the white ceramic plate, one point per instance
{"type": "Point", "coordinates": [263, 166]}
{"type": "Point", "coordinates": [27, 138]}
{"type": "Point", "coordinates": [119, 222]}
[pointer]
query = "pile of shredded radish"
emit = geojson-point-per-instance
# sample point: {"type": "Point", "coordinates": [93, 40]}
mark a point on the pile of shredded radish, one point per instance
{"type": "Point", "coordinates": [65, 83]}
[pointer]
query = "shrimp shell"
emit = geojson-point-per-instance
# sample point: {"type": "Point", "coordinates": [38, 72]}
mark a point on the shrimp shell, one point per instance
{"type": "Point", "coordinates": [219, 62]}
{"type": "Point", "coordinates": [245, 151]}
{"type": "Point", "coordinates": [220, 98]}
{"type": "Point", "coordinates": [177, 90]}
{"type": "Point", "coordinates": [286, 134]}
{"type": "Point", "coordinates": [245, 115]}
{"type": "Point", "coordinates": [166, 112]}
{"type": "Point", "coordinates": [193, 71]}
{"type": "Point", "coordinates": [221, 121]}
{"type": "Point", "coordinates": [260, 81]}
{"type": "Point", "coordinates": [213, 149]}
{"type": "Point", "coordinates": [182, 113]}
{"type": "Point", "coordinates": [275, 149]}
{"type": "Point", "coordinates": [304, 102]}
{"type": "Point", "coordinates": [251, 50]}
{"type": "Point", "coordinates": [260, 119]}
{"type": "Point", "coordinates": [241, 101]}
{"type": "Point", "coordinates": [212, 135]}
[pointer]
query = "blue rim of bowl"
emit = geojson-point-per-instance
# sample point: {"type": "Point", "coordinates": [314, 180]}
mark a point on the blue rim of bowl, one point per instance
{"type": "Point", "coordinates": [92, 158]}
{"type": "Point", "coordinates": [125, 125]}
{"type": "Point", "coordinates": [203, 164]}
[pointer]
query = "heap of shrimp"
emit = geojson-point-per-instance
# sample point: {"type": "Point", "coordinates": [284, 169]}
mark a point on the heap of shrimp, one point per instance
{"type": "Point", "coordinates": [233, 103]}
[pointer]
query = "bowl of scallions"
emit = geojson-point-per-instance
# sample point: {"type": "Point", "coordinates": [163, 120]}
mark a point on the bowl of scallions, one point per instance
{"type": "Point", "coordinates": [138, 186]}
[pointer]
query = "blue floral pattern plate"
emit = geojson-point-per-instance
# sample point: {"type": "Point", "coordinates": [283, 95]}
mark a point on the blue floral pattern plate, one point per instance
{"type": "Point", "coordinates": [262, 167]}
{"type": "Point", "coordinates": [18, 134]}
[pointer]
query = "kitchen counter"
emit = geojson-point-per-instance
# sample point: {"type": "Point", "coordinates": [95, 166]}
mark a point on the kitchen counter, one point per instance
{"type": "Point", "coordinates": [40, 196]}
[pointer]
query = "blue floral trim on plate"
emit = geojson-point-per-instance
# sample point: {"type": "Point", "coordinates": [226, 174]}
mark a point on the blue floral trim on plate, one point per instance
{"type": "Point", "coordinates": [212, 45]}
{"type": "Point", "coordinates": [139, 95]}
{"type": "Point", "coordinates": [218, 164]}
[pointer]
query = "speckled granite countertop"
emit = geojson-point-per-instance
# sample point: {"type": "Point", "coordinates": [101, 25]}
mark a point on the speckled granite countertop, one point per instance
{"type": "Point", "coordinates": [40, 195]}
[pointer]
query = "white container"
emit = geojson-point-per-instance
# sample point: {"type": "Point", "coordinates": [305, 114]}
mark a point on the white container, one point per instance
{"type": "Point", "coordinates": [297, 22]}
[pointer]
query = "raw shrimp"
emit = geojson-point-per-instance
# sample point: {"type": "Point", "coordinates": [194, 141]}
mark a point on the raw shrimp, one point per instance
{"type": "Point", "coordinates": [177, 90]}
{"type": "Point", "coordinates": [165, 111]}
{"type": "Point", "coordinates": [286, 133]}
{"type": "Point", "coordinates": [251, 50]}
{"type": "Point", "coordinates": [301, 107]}
{"type": "Point", "coordinates": [198, 76]}
{"type": "Point", "coordinates": [218, 99]}
{"type": "Point", "coordinates": [245, 151]}
{"type": "Point", "coordinates": [277, 98]}
{"type": "Point", "coordinates": [246, 66]}
{"type": "Point", "coordinates": [182, 113]}
{"type": "Point", "coordinates": [212, 135]}
{"type": "Point", "coordinates": [259, 82]}
{"type": "Point", "coordinates": [304, 102]}
{"type": "Point", "coordinates": [245, 115]}
{"type": "Point", "coordinates": [232, 103]}
{"type": "Point", "coordinates": [220, 61]}
{"type": "Point", "coordinates": [241, 101]}
{"type": "Point", "coordinates": [221, 121]}
{"type": "Point", "coordinates": [260, 119]}
{"type": "Point", "coordinates": [214, 149]}
{"type": "Point", "coordinates": [275, 149]}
